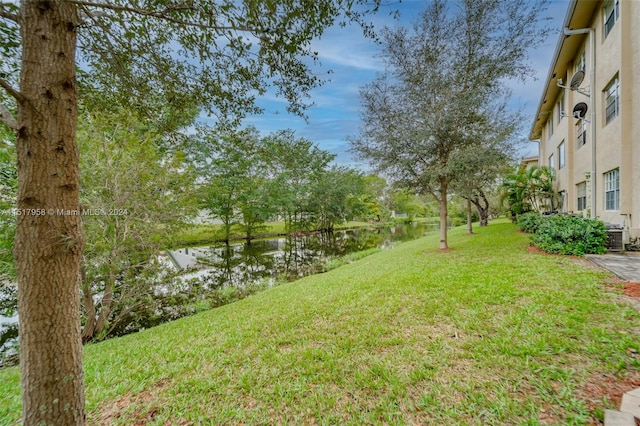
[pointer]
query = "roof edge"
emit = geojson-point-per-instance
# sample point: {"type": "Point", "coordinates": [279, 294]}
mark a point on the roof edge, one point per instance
{"type": "Point", "coordinates": [536, 130]}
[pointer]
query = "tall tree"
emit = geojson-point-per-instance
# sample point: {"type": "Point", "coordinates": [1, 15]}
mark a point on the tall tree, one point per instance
{"type": "Point", "coordinates": [331, 195]}
{"type": "Point", "coordinates": [132, 196]}
{"type": "Point", "coordinates": [445, 81]}
{"type": "Point", "coordinates": [230, 168]}
{"type": "Point", "coordinates": [216, 54]}
{"type": "Point", "coordinates": [294, 166]}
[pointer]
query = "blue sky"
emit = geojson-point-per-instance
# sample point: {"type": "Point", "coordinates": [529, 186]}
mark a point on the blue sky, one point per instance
{"type": "Point", "coordinates": [354, 61]}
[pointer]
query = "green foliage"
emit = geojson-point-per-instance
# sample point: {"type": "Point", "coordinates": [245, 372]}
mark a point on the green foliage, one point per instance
{"type": "Point", "coordinates": [563, 234]}
{"type": "Point", "coordinates": [8, 191]}
{"type": "Point", "coordinates": [246, 180]}
{"type": "Point", "coordinates": [231, 172]}
{"type": "Point", "coordinates": [8, 291]}
{"type": "Point", "coordinates": [529, 222]}
{"type": "Point", "coordinates": [214, 54]}
{"type": "Point", "coordinates": [531, 189]}
{"type": "Point", "coordinates": [133, 195]}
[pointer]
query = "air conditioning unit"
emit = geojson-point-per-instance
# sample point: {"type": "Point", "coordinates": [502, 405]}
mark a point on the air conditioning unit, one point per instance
{"type": "Point", "coordinates": [615, 240]}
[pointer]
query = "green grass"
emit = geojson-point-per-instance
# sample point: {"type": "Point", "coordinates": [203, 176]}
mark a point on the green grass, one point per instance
{"type": "Point", "coordinates": [487, 333]}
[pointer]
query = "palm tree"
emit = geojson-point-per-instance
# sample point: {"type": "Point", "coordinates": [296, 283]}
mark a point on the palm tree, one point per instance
{"type": "Point", "coordinates": [531, 189]}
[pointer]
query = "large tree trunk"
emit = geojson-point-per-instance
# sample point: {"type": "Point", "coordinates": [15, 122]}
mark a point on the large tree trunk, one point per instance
{"type": "Point", "coordinates": [49, 239]}
{"type": "Point", "coordinates": [443, 213]}
{"type": "Point", "coordinates": [482, 205]}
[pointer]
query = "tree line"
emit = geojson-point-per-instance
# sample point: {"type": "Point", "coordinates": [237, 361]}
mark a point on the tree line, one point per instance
{"type": "Point", "coordinates": [142, 182]}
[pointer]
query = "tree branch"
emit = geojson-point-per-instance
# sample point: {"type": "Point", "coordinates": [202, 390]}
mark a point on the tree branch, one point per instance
{"type": "Point", "coordinates": [161, 14]}
{"type": "Point", "coordinates": [13, 92]}
{"type": "Point", "coordinates": [8, 15]}
{"type": "Point", "coordinates": [7, 118]}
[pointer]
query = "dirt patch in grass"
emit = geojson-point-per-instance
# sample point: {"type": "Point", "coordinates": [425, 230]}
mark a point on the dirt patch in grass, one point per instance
{"type": "Point", "coordinates": [145, 405]}
{"type": "Point", "coordinates": [607, 390]}
{"type": "Point", "coordinates": [631, 289]}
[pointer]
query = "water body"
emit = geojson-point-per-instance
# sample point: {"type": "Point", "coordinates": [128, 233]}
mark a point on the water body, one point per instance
{"type": "Point", "coordinates": [287, 257]}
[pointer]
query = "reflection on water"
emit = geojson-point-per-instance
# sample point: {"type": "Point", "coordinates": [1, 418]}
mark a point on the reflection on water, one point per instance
{"type": "Point", "coordinates": [288, 257]}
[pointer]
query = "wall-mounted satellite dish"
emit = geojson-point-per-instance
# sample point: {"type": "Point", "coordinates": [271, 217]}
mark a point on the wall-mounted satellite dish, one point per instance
{"type": "Point", "coordinates": [580, 110]}
{"type": "Point", "coordinates": [576, 80]}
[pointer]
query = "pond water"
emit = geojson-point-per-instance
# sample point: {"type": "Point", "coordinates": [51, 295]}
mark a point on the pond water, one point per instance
{"type": "Point", "coordinates": [287, 257]}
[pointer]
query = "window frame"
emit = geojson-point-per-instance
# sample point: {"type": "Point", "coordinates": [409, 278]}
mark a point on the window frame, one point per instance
{"type": "Point", "coordinates": [612, 190]}
{"type": "Point", "coordinates": [581, 134]}
{"type": "Point", "coordinates": [562, 155]}
{"type": "Point", "coordinates": [560, 106]}
{"type": "Point", "coordinates": [611, 97]}
{"type": "Point", "coordinates": [611, 15]}
{"type": "Point", "coordinates": [581, 196]}
{"type": "Point", "coordinates": [581, 64]}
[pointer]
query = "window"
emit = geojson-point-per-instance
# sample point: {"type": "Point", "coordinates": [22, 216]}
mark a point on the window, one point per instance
{"type": "Point", "coordinates": [581, 191]}
{"type": "Point", "coordinates": [611, 14]}
{"type": "Point", "coordinates": [612, 100]}
{"type": "Point", "coordinates": [552, 162]}
{"type": "Point", "coordinates": [550, 126]}
{"type": "Point", "coordinates": [612, 190]}
{"type": "Point", "coordinates": [581, 133]}
{"type": "Point", "coordinates": [581, 63]}
{"type": "Point", "coordinates": [561, 155]}
{"type": "Point", "coordinates": [560, 106]}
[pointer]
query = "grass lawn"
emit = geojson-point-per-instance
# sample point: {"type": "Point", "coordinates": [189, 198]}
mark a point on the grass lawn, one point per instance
{"type": "Point", "coordinates": [486, 333]}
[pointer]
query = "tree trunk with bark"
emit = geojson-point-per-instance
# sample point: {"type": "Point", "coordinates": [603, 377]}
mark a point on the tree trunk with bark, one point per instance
{"type": "Point", "coordinates": [469, 217]}
{"type": "Point", "coordinates": [479, 199]}
{"type": "Point", "coordinates": [444, 213]}
{"type": "Point", "coordinates": [49, 239]}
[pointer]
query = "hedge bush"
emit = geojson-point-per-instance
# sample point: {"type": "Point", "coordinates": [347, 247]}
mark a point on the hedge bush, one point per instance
{"type": "Point", "coordinates": [529, 222]}
{"type": "Point", "coordinates": [572, 235]}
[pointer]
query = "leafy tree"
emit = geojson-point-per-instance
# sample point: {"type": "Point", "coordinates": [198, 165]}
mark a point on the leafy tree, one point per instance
{"type": "Point", "coordinates": [404, 201]}
{"type": "Point", "coordinates": [232, 187]}
{"type": "Point", "coordinates": [331, 197]}
{"type": "Point", "coordinates": [444, 85]}
{"type": "Point", "coordinates": [294, 166]}
{"type": "Point", "coordinates": [371, 202]}
{"type": "Point", "coordinates": [478, 169]}
{"type": "Point", "coordinates": [213, 54]}
{"type": "Point", "coordinates": [132, 196]}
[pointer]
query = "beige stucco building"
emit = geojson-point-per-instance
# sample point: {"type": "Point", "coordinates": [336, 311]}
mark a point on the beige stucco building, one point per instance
{"type": "Point", "coordinates": [597, 157]}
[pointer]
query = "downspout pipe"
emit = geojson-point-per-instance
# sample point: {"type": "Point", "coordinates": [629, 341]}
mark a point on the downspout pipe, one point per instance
{"type": "Point", "coordinates": [592, 84]}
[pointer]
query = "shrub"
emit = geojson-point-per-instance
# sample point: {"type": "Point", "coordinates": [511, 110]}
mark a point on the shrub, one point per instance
{"type": "Point", "coordinates": [570, 235]}
{"type": "Point", "coordinates": [529, 222]}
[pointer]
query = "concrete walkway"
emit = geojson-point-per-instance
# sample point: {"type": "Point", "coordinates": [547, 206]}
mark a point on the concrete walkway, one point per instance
{"type": "Point", "coordinates": [626, 266]}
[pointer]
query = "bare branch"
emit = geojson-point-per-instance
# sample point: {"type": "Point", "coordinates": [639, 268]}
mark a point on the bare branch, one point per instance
{"type": "Point", "coordinates": [13, 92]}
{"type": "Point", "coordinates": [7, 118]}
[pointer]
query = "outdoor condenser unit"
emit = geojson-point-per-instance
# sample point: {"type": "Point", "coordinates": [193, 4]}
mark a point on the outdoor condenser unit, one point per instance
{"type": "Point", "coordinates": [615, 240]}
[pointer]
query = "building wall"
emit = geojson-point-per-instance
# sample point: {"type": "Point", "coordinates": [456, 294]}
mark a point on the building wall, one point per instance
{"type": "Point", "coordinates": [632, 111]}
{"type": "Point", "coordinates": [617, 142]}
